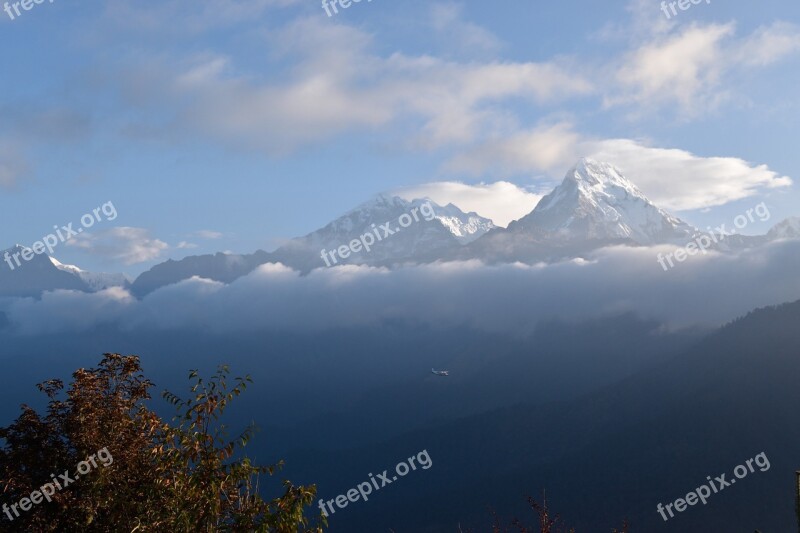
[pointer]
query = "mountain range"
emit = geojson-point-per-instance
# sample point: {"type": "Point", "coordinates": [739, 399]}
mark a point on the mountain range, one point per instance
{"type": "Point", "coordinates": [595, 206]}
{"type": "Point", "coordinates": [611, 454]}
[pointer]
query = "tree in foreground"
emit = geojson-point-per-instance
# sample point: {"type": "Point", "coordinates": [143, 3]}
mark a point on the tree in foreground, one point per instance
{"type": "Point", "coordinates": [547, 522]}
{"type": "Point", "coordinates": [181, 475]}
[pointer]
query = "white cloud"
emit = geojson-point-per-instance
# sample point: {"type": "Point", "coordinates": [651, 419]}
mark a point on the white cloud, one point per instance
{"type": "Point", "coordinates": [680, 69]}
{"type": "Point", "coordinates": [184, 245]}
{"type": "Point", "coordinates": [330, 81]}
{"type": "Point", "coordinates": [502, 298]}
{"type": "Point", "coordinates": [459, 100]}
{"type": "Point", "coordinates": [458, 34]}
{"type": "Point", "coordinates": [327, 80]}
{"type": "Point", "coordinates": [672, 178]}
{"type": "Point", "coordinates": [109, 306]}
{"type": "Point", "coordinates": [769, 44]}
{"type": "Point", "coordinates": [208, 234]}
{"type": "Point", "coordinates": [125, 244]}
{"type": "Point", "coordinates": [695, 68]}
{"type": "Point", "coordinates": [337, 84]}
{"type": "Point", "coordinates": [501, 201]}
{"type": "Point", "coordinates": [542, 148]}
{"type": "Point", "coordinates": [679, 180]}
{"type": "Point", "coordinates": [645, 20]}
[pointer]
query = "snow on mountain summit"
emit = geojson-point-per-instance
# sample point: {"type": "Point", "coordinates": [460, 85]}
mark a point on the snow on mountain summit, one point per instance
{"type": "Point", "coordinates": [786, 229]}
{"type": "Point", "coordinates": [596, 202]}
{"type": "Point", "coordinates": [431, 231]}
{"type": "Point", "coordinates": [66, 268]}
{"type": "Point", "coordinates": [465, 227]}
{"type": "Point", "coordinates": [95, 280]}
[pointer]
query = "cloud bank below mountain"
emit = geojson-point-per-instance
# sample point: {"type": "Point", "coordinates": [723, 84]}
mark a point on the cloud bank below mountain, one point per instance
{"type": "Point", "coordinates": [705, 290]}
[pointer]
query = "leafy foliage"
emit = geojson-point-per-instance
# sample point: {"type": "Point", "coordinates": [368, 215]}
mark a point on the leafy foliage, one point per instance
{"type": "Point", "coordinates": [547, 522]}
{"type": "Point", "coordinates": [183, 475]}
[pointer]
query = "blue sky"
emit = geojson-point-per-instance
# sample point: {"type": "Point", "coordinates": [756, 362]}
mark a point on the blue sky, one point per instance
{"type": "Point", "coordinates": [232, 125]}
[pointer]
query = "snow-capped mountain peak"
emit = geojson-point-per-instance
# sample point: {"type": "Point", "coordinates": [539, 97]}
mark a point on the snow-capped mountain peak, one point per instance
{"type": "Point", "coordinates": [465, 227]}
{"type": "Point", "coordinates": [66, 268]}
{"type": "Point", "coordinates": [367, 212]}
{"type": "Point", "coordinates": [786, 229]}
{"type": "Point", "coordinates": [594, 177]}
{"type": "Point", "coordinates": [412, 231]}
{"type": "Point", "coordinates": [595, 202]}
{"type": "Point", "coordinates": [95, 280]}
